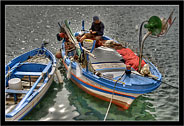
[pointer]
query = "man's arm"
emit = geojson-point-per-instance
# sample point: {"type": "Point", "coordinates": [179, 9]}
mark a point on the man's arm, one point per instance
{"type": "Point", "coordinates": [91, 26]}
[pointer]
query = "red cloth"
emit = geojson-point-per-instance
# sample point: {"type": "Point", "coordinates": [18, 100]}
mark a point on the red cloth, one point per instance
{"type": "Point", "coordinates": [130, 58]}
{"type": "Point", "coordinates": [98, 44]}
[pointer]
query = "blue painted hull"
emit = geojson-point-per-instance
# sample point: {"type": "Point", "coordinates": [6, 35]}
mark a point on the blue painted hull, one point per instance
{"type": "Point", "coordinates": [134, 86]}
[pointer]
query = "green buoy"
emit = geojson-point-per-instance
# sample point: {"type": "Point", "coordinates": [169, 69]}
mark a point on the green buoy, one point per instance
{"type": "Point", "coordinates": [154, 25]}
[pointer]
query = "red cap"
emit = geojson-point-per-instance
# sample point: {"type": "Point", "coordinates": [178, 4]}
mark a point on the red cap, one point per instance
{"type": "Point", "coordinates": [62, 35]}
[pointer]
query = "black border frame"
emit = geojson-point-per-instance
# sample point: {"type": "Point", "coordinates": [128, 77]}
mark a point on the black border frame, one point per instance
{"type": "Point", "coordinates": [127, 123]}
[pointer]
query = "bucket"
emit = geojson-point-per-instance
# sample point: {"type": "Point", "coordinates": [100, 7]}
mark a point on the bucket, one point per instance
{"type": "Point", "coordinates": [15, 83]}
{"type": "Point", "coordinates": [88, 44]}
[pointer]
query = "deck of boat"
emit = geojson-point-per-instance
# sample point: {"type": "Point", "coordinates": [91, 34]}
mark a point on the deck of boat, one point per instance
{"type": "Point", "coordinates": [108, 62]}
{"type": "Point", "coordinates": [10, 104]}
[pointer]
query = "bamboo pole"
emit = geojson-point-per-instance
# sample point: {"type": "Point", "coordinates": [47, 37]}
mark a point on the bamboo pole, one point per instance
{"type": "Point", "coordinates": [141, 50]}
{"type": "Point", "coordinates": [58, 75]}
{"type": "Point", "coordinates": [75, 42]}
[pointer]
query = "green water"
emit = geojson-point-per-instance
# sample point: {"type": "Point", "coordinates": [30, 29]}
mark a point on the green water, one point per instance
{"type": "Point", "coordinates": [89, 107]}
{"type": "Point", "coordinates": [42, 107]}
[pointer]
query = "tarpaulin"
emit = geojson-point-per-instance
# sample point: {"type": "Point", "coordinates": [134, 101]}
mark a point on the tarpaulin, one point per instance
{"type": "Point", "coordinates": [130, 58]}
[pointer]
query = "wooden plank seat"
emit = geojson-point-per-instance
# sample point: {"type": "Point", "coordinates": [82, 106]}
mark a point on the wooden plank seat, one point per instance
{"type": "Point", "coordinates": [107, 59]}
{"type": "Point", "coordinates": [106, 55]}
{"type": "Point", "coordinates": [16, 91]}
{"type": "Point", "coordinates": [33, 73]}
{"type": "Point", "coordinates": [10, 101]}
{"type": "Point", "coordinates": [28, 73]}
{"type": "Point", "coordinates": [27, 85]}
{"type": "Point", "coordinates": [109, 66]}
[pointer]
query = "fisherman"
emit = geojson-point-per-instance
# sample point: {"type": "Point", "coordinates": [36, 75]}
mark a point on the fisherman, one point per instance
{"type": "Point", "coordinates": [96, 31]}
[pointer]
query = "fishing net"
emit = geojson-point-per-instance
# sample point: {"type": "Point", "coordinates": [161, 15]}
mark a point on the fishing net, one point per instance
{"type": "Point", "coordinates": [42, 59]}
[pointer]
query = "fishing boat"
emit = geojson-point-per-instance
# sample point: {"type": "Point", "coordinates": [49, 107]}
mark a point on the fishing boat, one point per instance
{"type": "Point", "coordinates": [27, 79]}
{"type": "Point", "coordinates": [102, 72]}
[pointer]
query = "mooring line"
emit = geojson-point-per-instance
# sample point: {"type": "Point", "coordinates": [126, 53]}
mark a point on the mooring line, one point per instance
{"type": "Point", "coordinates": [112, 97]}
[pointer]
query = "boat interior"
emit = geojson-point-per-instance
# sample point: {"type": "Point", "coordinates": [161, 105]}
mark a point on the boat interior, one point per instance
{"type": "Point", "coordinates": [28, 72]}
{"type": "Point", "coordinates": [108, 62]}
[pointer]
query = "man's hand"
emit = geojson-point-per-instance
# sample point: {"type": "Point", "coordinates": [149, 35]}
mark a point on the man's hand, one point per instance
{"type": "Point", "coordinates": [93, 32]}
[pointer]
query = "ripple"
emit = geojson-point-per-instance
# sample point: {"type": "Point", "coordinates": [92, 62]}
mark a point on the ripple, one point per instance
{"type": "Point", "coordinates": [52, 109]}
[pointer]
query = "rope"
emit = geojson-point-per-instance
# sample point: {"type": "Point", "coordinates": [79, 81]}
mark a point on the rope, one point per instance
{"type": "Point", "coordinates": [38, 59]}
{"type": "Point", "coordinates": [112, 97]}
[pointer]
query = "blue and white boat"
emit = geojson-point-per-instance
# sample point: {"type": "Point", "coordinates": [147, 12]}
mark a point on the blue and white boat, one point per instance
{"type": "Point", "coordinates": [27, 79]}
{"type": "Point", "coordinates": [102, 71]}
{"type": "Point", "coordinates": [108, 67]}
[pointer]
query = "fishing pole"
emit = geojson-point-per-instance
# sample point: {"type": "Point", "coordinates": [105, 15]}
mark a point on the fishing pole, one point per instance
{"type": "Point", "coordinates": [140, 33]}
{"type": "Point", "coordinates": [59, 25]}
{"type": "Point", "coordinates": [112, 96]}
{"type": "Point", "coordinates": [166, 83]}
{"type": "Point", "coordinates": [155, 79]}
{"type": "Point", "coordinates": [61, 28]}
{"type": "Point", "coordinates": [169, 18]}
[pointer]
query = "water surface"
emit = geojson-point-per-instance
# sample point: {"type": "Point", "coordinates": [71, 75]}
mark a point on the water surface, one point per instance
{"type": "Point", "coordinates": [28, 26]}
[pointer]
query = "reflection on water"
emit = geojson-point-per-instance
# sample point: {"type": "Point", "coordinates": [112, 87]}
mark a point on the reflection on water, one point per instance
{"type": "Point", "coordinates": [27, 27]}
{"type": "Point", "coordinates": [44, 107]}
{"type": "Point", "coordinates": [54, 105]}
{"type": "Point", "coordinates": [82, 106]}
{"type": "Point", "coordinates": [92, 108]}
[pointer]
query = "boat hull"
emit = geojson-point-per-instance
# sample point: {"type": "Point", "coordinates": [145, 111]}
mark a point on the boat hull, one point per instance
{"type": "Point", "coordinates": [121, 99]}
{"type": "Point", "coordinates": [128, 88]}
